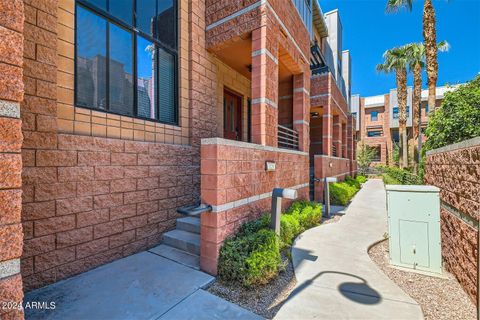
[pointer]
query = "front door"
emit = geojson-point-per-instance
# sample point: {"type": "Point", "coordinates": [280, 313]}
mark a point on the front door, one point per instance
{"type": "Point", "coordinates": [232, 116]}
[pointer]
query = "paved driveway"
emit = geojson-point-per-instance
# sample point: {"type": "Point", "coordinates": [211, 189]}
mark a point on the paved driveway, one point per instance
{"type": "Point", "coordinates": [141, 286]}
{"type": "Point", "coordinates": [336, 277]}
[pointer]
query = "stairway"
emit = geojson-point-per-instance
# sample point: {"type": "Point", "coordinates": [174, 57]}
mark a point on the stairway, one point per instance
{"type": "Point", "coordinates": [182, 244]}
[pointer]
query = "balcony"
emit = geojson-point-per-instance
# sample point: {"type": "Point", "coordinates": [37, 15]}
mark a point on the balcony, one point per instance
{"type": "Point", "coordinates": [287, 138]}
{"type": "Point", "coordinates": [318, 62]}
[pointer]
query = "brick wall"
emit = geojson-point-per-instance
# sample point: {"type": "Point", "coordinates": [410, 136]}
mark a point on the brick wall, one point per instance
{"type": "Point", "coordinates": [327, 166]}
{"type": "Point", "coordinates": [235, 183]}
{"type": "Point", "coordinates": [11, 93]}
{"type": "Point", "coordinates": [455, 170]}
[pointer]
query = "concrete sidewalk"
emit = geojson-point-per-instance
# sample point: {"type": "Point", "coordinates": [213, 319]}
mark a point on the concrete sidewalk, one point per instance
{"type": "Point", "coordinates": [336, 277]}
{"type": "Point", "coordinates": [141, 286]}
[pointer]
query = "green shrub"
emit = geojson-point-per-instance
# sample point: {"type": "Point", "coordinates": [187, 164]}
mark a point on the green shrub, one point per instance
{"type": "Point", "coordinates": [361, 179]}
{"type": "Point", "coordinates": [289, 229]}
{"type": "Point", "coordinates": [308, 214]}
{"type": "Point", "coordinates": [341, 193]}
{"type": "Point", "coordinates": [352, 182]}
{"type": "Point", "coordinates": [403, 176]}
{"type": "Point", "coordinates": [251, 259]}
{"type": "Point", "coordinates": [255, 225]}
{"type": "Point", "coordinates": [388, 179]}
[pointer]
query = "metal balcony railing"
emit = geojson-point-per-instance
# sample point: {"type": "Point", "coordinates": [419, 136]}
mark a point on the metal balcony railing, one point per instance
{"type": "Point", "coordinates": [287, 138]}
{"type": "Point", "coordinates": [334, 150]}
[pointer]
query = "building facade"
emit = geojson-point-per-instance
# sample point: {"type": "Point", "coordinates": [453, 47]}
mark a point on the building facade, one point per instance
{"type": "Point", "coordinates": [377, 121]}
{"type": "Point", "coordinates": [114, 116]}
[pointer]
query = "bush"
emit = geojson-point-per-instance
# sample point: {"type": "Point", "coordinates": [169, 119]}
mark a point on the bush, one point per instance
{"type": "Point", "coordinates": [388, 179]}
{"type": "Point", "coordinates": [403, 176]}
{"type": "Point", "coordinates": [352, 182]}
{"type": "Point", "coordinates": [252, 256]}
{"type": "Point", "coordinates": [341, 193]}
{"type": "Point", "coordinates": [361, 179]}
{"type": "Point", "coordinates": [251, 259]}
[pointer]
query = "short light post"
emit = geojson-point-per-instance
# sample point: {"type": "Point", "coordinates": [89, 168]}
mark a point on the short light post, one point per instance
{"type": "Point", "coordinates": [326, 193]}
{"type": "Point", "coordinates": [277, 195]}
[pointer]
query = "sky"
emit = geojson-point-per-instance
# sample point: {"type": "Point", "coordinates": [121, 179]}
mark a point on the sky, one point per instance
{"type": "Point", "coordinates": [368, 31]}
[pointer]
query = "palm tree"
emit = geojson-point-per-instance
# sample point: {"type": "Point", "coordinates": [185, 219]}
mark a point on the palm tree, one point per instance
{"type": "Point", "coordinates": [396, 60]}
{"type": "Point", "coordinates": [430, 40]}
{"type": "Point", "coordinates": [416, 63]}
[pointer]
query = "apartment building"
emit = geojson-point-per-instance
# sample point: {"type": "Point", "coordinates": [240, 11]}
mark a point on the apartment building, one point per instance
{"type": "Point", "coordinates": [115, 114]}
{"type": "Point", "coordinates": [377, 120]}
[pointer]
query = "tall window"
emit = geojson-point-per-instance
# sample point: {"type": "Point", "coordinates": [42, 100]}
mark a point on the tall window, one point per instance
{"type": "Point", "coordinates": [126, 57]}
{"type": "Point", "coordinates": [374, 115]}
{"type": "Point", "coordinates": [396, 113]}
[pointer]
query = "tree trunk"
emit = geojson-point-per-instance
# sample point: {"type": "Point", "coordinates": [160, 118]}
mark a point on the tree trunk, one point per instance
{"type": "Point", "coordinates": [416, 110]}
{"type": "Point", "coordinates": [430, 40]}
{"type": "Point", "coordinates": [402, 119]}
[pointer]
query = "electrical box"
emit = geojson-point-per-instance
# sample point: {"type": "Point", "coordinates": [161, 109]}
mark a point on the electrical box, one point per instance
{"type": "Point", "coordinates": [414, 227]}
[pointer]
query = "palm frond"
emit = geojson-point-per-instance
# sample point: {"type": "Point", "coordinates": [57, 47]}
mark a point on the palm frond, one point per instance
{"type": "Point", "coordinates": [394, 6]}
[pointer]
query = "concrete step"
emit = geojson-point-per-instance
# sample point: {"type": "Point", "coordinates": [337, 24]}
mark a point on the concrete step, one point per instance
{"type": "Point", "coordinates": [183, 240]}
{"type": "Point", "coordinates": [190, 224]}
{"type": "Point", "coordinates": [180, 256]}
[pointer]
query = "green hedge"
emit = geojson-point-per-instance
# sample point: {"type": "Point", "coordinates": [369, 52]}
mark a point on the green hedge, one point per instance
{"type": "Point", "coordinates": [342, 192]}
{"type": "Point", "coordinates": [388, 179]}
{"type": "Point", "coordinates": [252, 256]}
{"type": "Point", "coordinates": [401, 175]}
{"type": "Point", "coordinates": [361, 179]}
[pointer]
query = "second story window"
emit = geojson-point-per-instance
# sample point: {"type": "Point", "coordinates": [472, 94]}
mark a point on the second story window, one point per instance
{"type": "Point", "coordinates": [396, 113]}
{"type": "Point", "coordinates": [126, 58]}
{"type": "Point", "coordinates": [304, 8]}
{"type": "Point", "coordinates": [376, 133]}
{"type": "Point", "coordinates": [374, 116]}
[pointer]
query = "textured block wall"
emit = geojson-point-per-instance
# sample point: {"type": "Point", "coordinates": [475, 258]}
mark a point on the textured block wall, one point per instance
{"type": "Point", "coordinates": [455, 169]}
{"type": "Point", "coordinates": [11, 94]}
{"type": "Point", "coordinates": [327, 166]}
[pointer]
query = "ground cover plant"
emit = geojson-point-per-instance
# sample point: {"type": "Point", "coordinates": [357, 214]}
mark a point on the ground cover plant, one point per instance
{"type": "Point", "coordinates": [252, 257]}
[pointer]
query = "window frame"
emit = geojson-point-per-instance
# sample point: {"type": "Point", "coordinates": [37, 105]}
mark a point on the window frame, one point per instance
{"type": "Point", "coordinates": [135, 32]}
{"type": "Point", "coordinates": [376, 116]}
{"type": "Point", "coordinates": [374, 135]}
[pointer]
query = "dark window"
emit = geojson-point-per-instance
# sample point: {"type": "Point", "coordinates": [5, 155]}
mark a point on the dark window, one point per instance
{"type": "Point", "coordinates": [376, 133]}
{"type": "Point", "coordinates": [396, 114]}
{"type": "Point", "coordinates": [125, 69]}
{"type": "Point", "coordinates": [374, 115]}
{"type": "Point", "coordinates": [377, 156]}
{"type": "Point", "coordinates": [354, 114]}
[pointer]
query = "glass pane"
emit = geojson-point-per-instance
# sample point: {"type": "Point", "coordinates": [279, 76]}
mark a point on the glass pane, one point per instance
{"type": "Point", "coordinates": [102, 4]}
{"type": "Point", "coordinates": [166, 22]}
{"type": "Point", "coordinates": [122, 9]}
{"type": "Point", "coordinates": [146, 78]}
{"type": "Point", "coordinates": [146, 16]}
{"type": "Point", "coordinates": [91, 59]}
{"type": "Point", "coordinates": [166, 77]}
{"type": "Point", "coordinates": [121, 70]}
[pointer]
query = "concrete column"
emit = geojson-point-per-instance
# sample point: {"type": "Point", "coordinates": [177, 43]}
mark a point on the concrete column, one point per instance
{"type": "Point", "coordinates": [264, 88]}
{"type": "Point", "coordinates": [337, 135]}
{"type": "Point", "coordinates": [301, 109]}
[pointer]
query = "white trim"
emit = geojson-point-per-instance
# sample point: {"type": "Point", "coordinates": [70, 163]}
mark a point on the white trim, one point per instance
{"type": "Point", "coordinates": [266, 52]}
{"type": "Point", "coordinates": [252, 199]}
{"type": "Point", "coordinates": [9, 109]}
{"type": "Point", "coordinates": [301, 122]}
{"type": "Point", "coordinates": [264, 100]}
{"type": "Point", "coordinates": [9, 268]}
{"type": "Point", "coordinates": [300, 90]}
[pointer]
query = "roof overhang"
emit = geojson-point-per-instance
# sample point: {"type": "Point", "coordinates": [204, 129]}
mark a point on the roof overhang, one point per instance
{"type": "Point", "coordinates": [319, 21]}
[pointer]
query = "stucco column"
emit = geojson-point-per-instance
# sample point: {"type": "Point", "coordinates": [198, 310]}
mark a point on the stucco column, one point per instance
{"type": "Point", "coordinates": [264, 88]}
{"type": "Point", "coordinates": [337, 136]}
{"type": "Point", "coordinates": [11, 94]}
{"type": "Point", "coordinates": [301, 109]}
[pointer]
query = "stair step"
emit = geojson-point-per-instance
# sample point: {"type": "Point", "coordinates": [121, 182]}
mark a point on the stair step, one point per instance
{"type": "Point", "coordinates": [183, 240]}
{"type": "Point", "coordinates": [190, 224]}
{"type": "Point", "coordinates": [177, 255]}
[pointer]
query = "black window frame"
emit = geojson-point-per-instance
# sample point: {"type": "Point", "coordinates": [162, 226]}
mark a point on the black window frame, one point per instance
{"type": "Point", "coordinates": [135, 33]}
{"type": "Point", "coordinates": [374, 133]}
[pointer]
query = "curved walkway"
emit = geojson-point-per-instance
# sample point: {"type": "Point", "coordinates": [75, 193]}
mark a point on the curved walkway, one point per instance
{"type": "Point", "coordinates": [336, 279]}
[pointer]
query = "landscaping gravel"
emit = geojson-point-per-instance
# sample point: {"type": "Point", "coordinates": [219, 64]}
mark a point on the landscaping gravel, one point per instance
{"type": "Point", "coordinates": [440, 298]}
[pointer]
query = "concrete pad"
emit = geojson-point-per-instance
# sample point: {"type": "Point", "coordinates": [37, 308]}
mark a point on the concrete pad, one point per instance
{"type": "Point", "coordinates": [203, 305]}
{"type": "Point", "coordinates": [141, 286]}
{"type": "Point", "coordinates": [336, 279]}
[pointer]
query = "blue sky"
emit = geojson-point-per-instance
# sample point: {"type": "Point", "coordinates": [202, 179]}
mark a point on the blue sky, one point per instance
{"type": "Point", "coordinates": [368, 31]}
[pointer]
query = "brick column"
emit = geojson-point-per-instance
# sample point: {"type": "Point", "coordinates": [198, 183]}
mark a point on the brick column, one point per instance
{"type": "Point", "coordinates": [264, 88]}
{"type": "Point", "coordinates": [11, 93]}
{"type": "Point", "coordinates": [301, 109]}
{"type": "Point", "coordinates": [350, 142]}
{"type": "Point", "coordinates": [327, 130]}
{"type": "Point", "coordinates": [337, 135]}
{"type": "Point", "coordinates": [344, 140]}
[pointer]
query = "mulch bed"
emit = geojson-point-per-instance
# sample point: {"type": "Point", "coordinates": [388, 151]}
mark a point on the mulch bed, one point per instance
{"type": "Point", "coordinates": [440, 298]}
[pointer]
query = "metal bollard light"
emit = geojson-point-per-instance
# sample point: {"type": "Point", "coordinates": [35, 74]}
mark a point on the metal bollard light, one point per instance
{"type": "Point", "coordinates": [326, 193]}
{"type": "Point", "coordinates": [277, 195]}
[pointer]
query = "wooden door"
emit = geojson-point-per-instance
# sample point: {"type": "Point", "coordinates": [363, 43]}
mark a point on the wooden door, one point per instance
{"type": "Point", "coordinates": [232, 116]}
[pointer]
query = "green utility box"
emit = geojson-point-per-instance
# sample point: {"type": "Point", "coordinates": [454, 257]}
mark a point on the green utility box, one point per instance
{"type": "Point", "coordinates": [414, 227]}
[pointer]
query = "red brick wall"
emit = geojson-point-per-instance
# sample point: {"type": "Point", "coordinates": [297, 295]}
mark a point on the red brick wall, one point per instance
{"type": "Point", "coordinates": [455, 170]}
{"type": "Point", "coordinates": [232, 173]}
{"type": "Point", "coordinates": [326, 166]}
{"type": "Point", "coordinates": [11, 93]}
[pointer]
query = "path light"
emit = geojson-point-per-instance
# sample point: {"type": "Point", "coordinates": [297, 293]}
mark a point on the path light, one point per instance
{"type": "Point", "coordinates": [277, 195]}
{"type": "Point", "coordinates": [326, 193]}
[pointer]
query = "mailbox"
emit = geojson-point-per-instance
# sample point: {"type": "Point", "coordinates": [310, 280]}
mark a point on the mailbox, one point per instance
{"type": "Point", "coordinates": [414, 227]}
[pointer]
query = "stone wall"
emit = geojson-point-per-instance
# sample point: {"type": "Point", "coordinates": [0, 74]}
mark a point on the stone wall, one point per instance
{"type": "Point", "coordinates": [455, 169]}
{"type": "Point", "coordinates": [234, 181]}
{"type": "Point", "coordinates": [11, 93]}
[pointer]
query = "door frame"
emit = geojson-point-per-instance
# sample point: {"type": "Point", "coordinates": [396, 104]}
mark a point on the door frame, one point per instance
{"type": "Point", "coordinates": [239, 97]}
